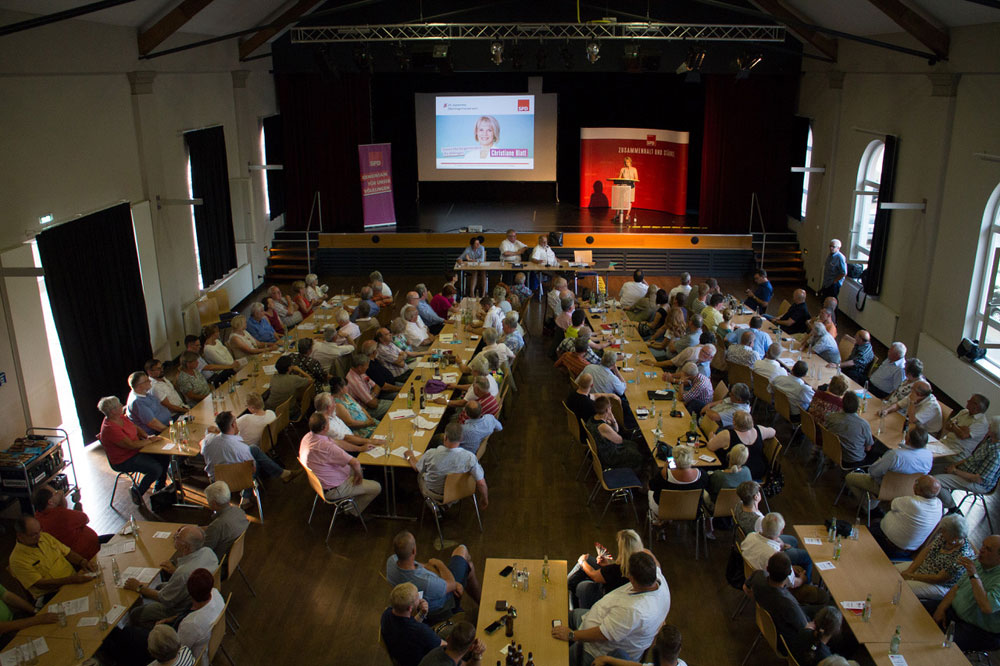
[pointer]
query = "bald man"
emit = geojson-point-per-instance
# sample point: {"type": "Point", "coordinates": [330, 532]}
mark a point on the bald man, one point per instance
{"type": "Point", "coordinates": [834, 271]}
{"type": "Point", "coordinates": [857, 364]}
{"type": "Point", "coordinates": [971, 603]}
{"type": "Point", "coordinates": [910, 520]}
{"type": "Point", "coordinates": [796, 319]}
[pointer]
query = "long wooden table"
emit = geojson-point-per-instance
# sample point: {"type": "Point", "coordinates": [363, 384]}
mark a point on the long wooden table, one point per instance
{"type": "Point", "coordinates": [533, 625]}
{"type": "Point", "coordinates": [864, 569]}
{"type": "Point", "coordinates": [918, 654]}
{"type": "Point", "coordinates": [564, 266]}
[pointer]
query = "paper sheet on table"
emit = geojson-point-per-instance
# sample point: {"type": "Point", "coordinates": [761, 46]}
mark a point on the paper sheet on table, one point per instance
{"type": "Point", "coordinates": [470, 349]}
{"type": "Point", "coordinates": [109, 549]}
{"type": "Point", "coordinates": [426, 364]}
{"type": "Point", "coordinates": [141, 574]}
{"type": "Point", "coordinates": [269, 370]}
{"type": "Point", "coordinates": [168, 446]}
{"type": "Point", "coordinates": [812, 541]}
{"type": "Point", "coordinates": [663, 392]}
{"type": "Point", "coordinates": [449, 377]}
{"type": "Point", "coordinates": [446, 337]}
{"type": "Point", "coordinates": [399, 451]}
{"type": "Point", "coordinates": [937, 448]}
{"type": "Point", "coordinates": [853, 605]}
{"type": "Point", "coordinates": [897, 660]}
{"type": "Point", "coordinates": [162, 535]}
{"type": "Point", "coordinates": [11, 657]}
{"type": "Point", "coordinates": [825, 566]}
{"type": "Point", "coordinates": [73, 606]}
{"type": "Point", "coordinates": [419, 433]}
{"type": "Point", "coordinates": [401, 414]}
{"type": "Point", "coordinates": [433, 410]}
{"type": "Point", "coordinates": [87, 622]}
{"type": "Point", "coordinates": [625, 368]}
{"type": "Point", "coordinates": [307, 326]}
{"type": "Point", "coordinates": [473, 337]}
{"type": "Point", "coordinates": [115, 614]}
{"type": "Point", "coordinates": [705, 458]}
{"type": "Point", "coordinates": [378, 437]}
{"type": "Point", "coordinates": [424, 424]}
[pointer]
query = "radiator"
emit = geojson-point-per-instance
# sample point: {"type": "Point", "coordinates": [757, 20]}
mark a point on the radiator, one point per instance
{"type": "Point", "coordinates": [876, 318]}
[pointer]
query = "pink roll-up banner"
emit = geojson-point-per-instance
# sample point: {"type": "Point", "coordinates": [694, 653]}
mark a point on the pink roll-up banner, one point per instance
{"type": "Point", "coordinates": [376, 184]}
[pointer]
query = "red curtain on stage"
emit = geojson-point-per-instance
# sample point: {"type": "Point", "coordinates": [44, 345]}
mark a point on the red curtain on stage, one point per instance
{"type": "Point", "coordinates": [324, 119]}
{"type": "Point", "coordinates": [748, 146]}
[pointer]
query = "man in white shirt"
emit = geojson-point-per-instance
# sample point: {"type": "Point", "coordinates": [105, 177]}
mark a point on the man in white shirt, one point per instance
{"type": "Point", "coordinates": [511, 248]}
{"type": "Point", "coordinates": [910, 520]}
{"type": "Point", "coordinates": [625, 619]}
{"type": "Point", "coordinates": [556, 294]}
{"type": "Point", "coordinates": [493, 317]}
{"type": "Point", "coordinates": [799, 393]}
{"type": "Point", "coordinates": [491, 344]}
{"type": "Point", "coordinates": [207, 605]}
{"type": "Point", "coordinates": [921, 408]}
{"type": "Point", "coordinates": [634, 290]}
{"type": "Point", "coordinates": [967, 428]}
{"type": "Point", "coordinates": [416, 331]}
{"type": "Point", "coordinates": [758, 547]}
{"type": "Point", "coordinates": [888, 376]}
{"type": "Point", "coordinates": [162, 388]}
{"type": "Point", "coordinates": [769, 366]}
{"type": "Point", "coordinates": [251, 425]}
{"type": "Point", "coordinates": [543, 254]}
{"type": "Point", "coordinates": [326, 350]}
{"type": "Point", "coordinates": [683, 288]}
{"type": "Point", "coordinates": [376, 279]}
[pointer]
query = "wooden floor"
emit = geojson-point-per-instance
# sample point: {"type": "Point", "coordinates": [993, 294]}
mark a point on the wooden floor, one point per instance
{"type": "Point", "coordinates": [319, 605]}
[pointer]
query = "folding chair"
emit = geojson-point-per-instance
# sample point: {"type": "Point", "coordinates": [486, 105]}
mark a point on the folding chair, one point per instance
{"type": "Point", "coordinates": [772, 453]}
{"type": "Point", "coordinates": [846, 347]}
{"type": "Point", "coordinates": [895, 485]}
{"type": "Point", "coordinates": [240, 477]}
{"type": "Point", "coordinates": [767, 631]}
{"type": "Point", "coordinates": [708, 427]}
{"type": "Point", "coordinates": [305, 403]}
{"type": "Point", "coordinates": [456, 487]}
{"type": "Point", "coordinates": [575, 428]}
{"type": "Point", "coordinates": [808, 423]}
{"type": "Point", "coordinates": [740, 374]}
{"type": "Point", "coordinates": [132, 476]}
{"type": "Point", "coordinates": [336, 504]}
{"type": "Point", "coordinates": [720, 391]}
{"type": "Point", "coordinates": [980, 497]}
{"type": "Point", "coordinates": [218, 633]}
{"type": "Point", "coordinates": [783, 406]}
{"type": "Point", "coordinates": [747, 572]}
{"type": "Point", "coordinates": [761, 392]}
{"type": "Point", "coordinates": [618, 482]}
{"type": "Point", "coordinates": [834, 452]}
{"type": "Point", "coordinates": [783, 308]}
{"type": "Point", "coordinates": [725, 502]}
{"type": "Point", "coordinates": [680, 505]}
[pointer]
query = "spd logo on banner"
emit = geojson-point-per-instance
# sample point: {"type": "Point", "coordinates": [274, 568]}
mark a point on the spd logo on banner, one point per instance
{"type": "Point", "coordinates": [376, 184]}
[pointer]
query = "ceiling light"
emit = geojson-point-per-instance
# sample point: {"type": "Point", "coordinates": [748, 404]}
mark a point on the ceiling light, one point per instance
{"type": "Point", "coordinates": [496, 52]}
{"type": "Point", "coordinates": [692, 62]}
{"type": "Point", "coordinates": [746, 62]}
{"type": "Point", "coordinates": [45, 219]}
{"type": "Point", "coordinates": [593, 52]}
{"type": "Point", "coordinates": [440, 51]}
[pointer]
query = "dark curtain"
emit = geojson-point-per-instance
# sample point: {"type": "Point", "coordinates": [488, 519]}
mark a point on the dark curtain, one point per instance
{"type": "Point", "coordinates": [213, 219]}
{"type": "Point", "coordinates": [872, 279]}
{"type": "Point", "coordinates": [274, 153]}
{"type": "Point", "coordinates": [324, 118]}
{"type": "Point", "coordinates": [95, 290]}
{"type": "Point", "coordinates": [747, 139]}
{"type": "Point", "coordinates": [797, 158]}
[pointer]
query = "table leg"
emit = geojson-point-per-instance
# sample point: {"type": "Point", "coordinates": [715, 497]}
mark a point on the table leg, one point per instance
{"type": "Point", "coordinates": [389, 475]}
{"type": "Point", "coordinates": [175, 476]}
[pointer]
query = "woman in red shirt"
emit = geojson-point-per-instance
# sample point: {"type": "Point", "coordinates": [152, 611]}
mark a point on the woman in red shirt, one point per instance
{"type": "Point", "coordinates": [300, 298]}
{"type": "Point", "coordinates": [122, 441]}
{"type": "Point", "coordinates": [272, 316]}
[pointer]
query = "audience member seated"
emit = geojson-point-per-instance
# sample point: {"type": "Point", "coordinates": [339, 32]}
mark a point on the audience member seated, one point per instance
{"type": "Point", "coordinates": [42, 563]}
{"type": "Point", "coordinates": [769, 587]}
{"type": "Point", "coordinates": [259, 326]}
{"type": "Point", "coordinates": [416, 332]}
{"type": "Point", "coordinates": [9, 603]}
{"type": "Point", "coordinates": [921, 407]}
{"type": "Point", "coordinates": [578, 321]}
{"type": "Point", "coordinates": [795, 320]}
{"type": "Point", "coordinates": [287, 310]}
{"type": "Point", "coordinates": [855, 434]}
{"type": "Point", "coordinates": [732, 476]}
{"type": "Point", "coordinates": [567, 306]}
{"type": "Point", "coordinates": [711, 314]}
{"type": "Point", "coordinates": [67, 525]}
{"type": "Point", "coordinates": [693, 337]}
{"type": "Point", "coordinates": [381, 292]}
{"type": "Point", "coordinates": [685, 476]}
{"type": "Point", "coordinates": [338, 473]}
{"type": "Point", "coordinates": [349, 411]}
{"type": "Point", "coordinates": [723, 411]}
{"type": "Point", "coordinates": [392, 357]}
{"type": "Point", "coordinates": [759, 546]}
{"type": "Point", "coordinates": [491, 343]}
{"type": "Point", "coordinates": [226, 447]}
{"type": "Point", "coordinates": [173, 598]}
{"type": "Point", "coordinates": [420, 298]}
{"type": "Point", "coordinates": [971, 602]}
{"type": "Point", "coordinates": [301, 300]}
{"type": "Point", "coordinates": [122, 440]}
{"type": "Point", "coordinates": [477, 426]}
{"type": "Point", "coordinates": [220, 361]}
{"type": "Point", "coordinates": [683, 288]}
{"type": "Point", "coordinates": [829, 401]}
{"type": "Point", "coordinates": [794, 386]}
{"type": "Point", "coordinates": [347, 331]}
{"type": "Point", "coordinates": [743, 353]}
{"type": "Point", "coordinates": [512, 337]}
{"type": "Point", "coordinates": [443, 302]}
{"type": "Point", "coordinates": [288, 381]}
{"type": "Point", "coordinates": [191, 384]}
{"type": "Point", "coordinates": [195, 630]}
{"type": "Point", "coordinates": [162, 387]}
{"type": "Point", "coordinates": [759, 298]}
{"type": "Point", "coordinates": [520, 289]}
{"type": "Point", "coordinates": [339, 431]}
{"type": "Point", "coordinates": [361, 387]}
{"type": "Point", "coordinates": [809, 645]}
{"type": "Point", "coordinates": [450, 458]}
{"type": "Point", "coordinates": [634, 290]}
{"type": "Point", "coordinates": [576, 361]}
{"type": "Point", "coordinates": [696, 388]}
{"type": "Point", "coordinates": [314, 291]}
{"type": "Point", "coordinates": [272, 317]}
{"type": "Point", "coordinates": [761, 340]}
{"type": "Point", "coordinates": [581, 400]}
{"type": "Point", "coordinates": [242, 343]}
{"type": "Point", "coordinates": [500, 299]}
{"type": "Point", "coordinates": [377, 371]}
{"type": "Point", "coordinates": [407, 639]}
{"type": "Point", "coordinates": [230, 521]}
{"type": "Point", "coordinates": [462, 647]}
{"type": "Point", "coordinates": [821, 343]}
{"type": "Point", "coordinates": [593, 577]}
{"type": "Point", "coordinates": [164, 646]}
{"type": "Point", "coordinates": [607, 378]}
{"type": "Point", "coordinates": [966, 428]}
{"type": "Point", "coordinates": [746, 513]}
{"type": "Point", "coordinates": [251, 424]}
{"type": "Point", "coordinates": [978, 473]}
{"type": "Point", "coordinates": [143, 408]}
{"type": "Point", "coordinates": [442, 585]}
{"type": "Point", "coordinates": [910, 520]}
{"type": "Point", "coordinates": [213, 373]}
{"type": "Point", "coordinates": [363, 318]}
{"type": "Point", "coordinates": [697, 299]}
{"type": "Point", "coordinates": [770, 367]}
{"type": "Point", "coordinates": [888, 376]}
{"type": "Point", "coordinates": [743, 431]}
{"type": "Point", "coordinates": [691, 353]}
{"type": "Point", "coordinates": [613, 449]}
{"type": "Point", "coordinates": [666, 651]}
{"type": "Point", "coordinates": [912, 457]}
{"type": "Point", "coordinates": [857, 365]}
{"type": "Point", "coordinates": [624, 620]}
{"type": "Point", "coordinates": [366, 297]}
{"type": "Point", "coordinates": [937, 567]}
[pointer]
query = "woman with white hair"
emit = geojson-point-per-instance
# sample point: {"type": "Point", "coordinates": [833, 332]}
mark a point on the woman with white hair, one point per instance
{"type": "Point", "coordinates": [593, 577]}
{"type": "Point", "coordinates": [165, 648]}
{"type": "Point", "coordinates": [821, 343]}
{"type": "Point", "coordinates": [730, 477]}
{"type": "Point", "coordinates": [347, 330]}
{"type": "Point", "coordinates": [122, 439]}
{"type": "Point", "coordinates": [936, 567]}
{"type": "Point", "coordinates": [314, 291]}
{"type": "Point", "coordinates": [746, 433]}
{"type": "Point", "coordinates": [684, 476]}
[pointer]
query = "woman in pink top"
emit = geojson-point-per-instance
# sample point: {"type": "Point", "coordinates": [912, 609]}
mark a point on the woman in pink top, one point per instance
{"type": "Point", "coordinates": [443, 302]}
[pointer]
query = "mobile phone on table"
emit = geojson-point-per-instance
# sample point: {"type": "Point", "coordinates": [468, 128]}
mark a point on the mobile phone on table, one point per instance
{"type": "Point", "coordinates": [506, 570]}
{"type": "Point", "coordinates": [501, 605]}
{"type": "Point", "coordinates": [493, 626]}
{"type": "Point", "coordinates": [556, 623]}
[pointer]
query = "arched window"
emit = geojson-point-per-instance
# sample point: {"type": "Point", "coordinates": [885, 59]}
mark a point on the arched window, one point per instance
{"type": "Point", "coordinates": [988, 302]}
{"type": "Point", "coordinates": [866, 200]}
{"type": "Point", "coordinates": [805, 176]}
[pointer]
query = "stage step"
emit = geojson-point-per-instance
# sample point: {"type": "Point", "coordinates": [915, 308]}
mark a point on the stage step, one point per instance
{"type": "Point", "coordinates": [782, 257]}
{"type": "Point", "coordinates": [288, 256]}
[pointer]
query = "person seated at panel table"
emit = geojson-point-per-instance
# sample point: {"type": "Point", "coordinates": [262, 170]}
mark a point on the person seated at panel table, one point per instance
{"type": "Point", "coordinates": [259, 327]}
{"type": "Point", "coordinates": [796, 318]}
{"type": "Point", "coordinates": [910, 519]}
{"type": "Point", "coordinates": [891, 373]}
{"type": "Point", "coordinates": [593, 577]}
{"type": "Point", "coordinates": [286, 308]}
{"type": "Point", "coordinates": [366, 297]}
{"type": "Point", "coordinates": [338, 473]}
{"type": "Point", "coordinates": [42, 563]}
{"type": "Point", "coordinates": [327, 350]}
{"type": "Point", "coordinates": [666, 651]}
{"type": "Point", "coordinates": [442, 585]}
{"type": "Point", "coordinates": [760, 296]}
{"type": "Point", "coordinates": [288, 381]}
{"type": "Point", "coordinates": [511, 249]}
{"type": "Point", "coordinates": [241, 342]}
{"type": "Point", "coordinates": [121, 440]}
{"type": "Point", "coordinates": [972, 602]}
{"type": "Point", "coordinates": [921, 408]}
{"type": "Point", "coordinates": [965, 429]}
{"type": "Point", "coordinates": [937, 566]}
{"type": "Point", "coordinates": [857, 365]}
{"type": "Point", "coordinates": [541, 254]}
{"type": "Point", "coordinates": [443, 303]}
{"type": "Point", "coordinates": [828, 401]}
{"type": "Point", "coordinates": [912, 457]}
{"type": "Point", "coordinates": [856, 441]}
{"type": "Point", "coordinates": [475, 253]}
{"type": "Point", "coordinates": [820, 342]}
{"type": "Point", "coordinates": [978, 473]}
{"type": "Point", "coordinates": [743, 431]}
{"type": "Point", "coordinates": [723, 411]}
{"type": "Point", "coordinates": [272, 318]}
{"type": "Point", "coordinates": [407, 638]}
{"type": "Point", "coordinates": [66, 524]}
{"type": "Point", "coordinates": [794, 386]}
{"type": "Point", "coordinates": [613, 449]}
{"type": "Point", "coordinates": [143, 408]}
{"type": "Point", "coordinates": [758, 547]}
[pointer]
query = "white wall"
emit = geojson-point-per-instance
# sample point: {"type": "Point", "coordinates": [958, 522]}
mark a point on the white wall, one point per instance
{"type": "Point", "coordinates": [931, 256]}
{"type": "Point", "coordinates": [78, 136]}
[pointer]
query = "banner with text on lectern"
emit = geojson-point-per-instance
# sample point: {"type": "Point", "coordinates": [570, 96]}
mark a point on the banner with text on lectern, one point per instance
{"type": "Point", "coordinates": [376, 184]}
{"type": "Point", "coordinates": [659, 156]}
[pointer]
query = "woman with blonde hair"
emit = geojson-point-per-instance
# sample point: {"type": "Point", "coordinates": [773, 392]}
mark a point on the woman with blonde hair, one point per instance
{"type": "Point", "coordinates": [241, 343]}
{"type": "Point", "coordinates": [731, 477]}
{"type": "Point", "coordinates": [683, 476]}
{"type": "Point", "coordinates": [593, 577]}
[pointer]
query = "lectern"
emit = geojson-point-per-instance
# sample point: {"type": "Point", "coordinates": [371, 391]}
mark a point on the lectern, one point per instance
{"type": "Point", "coordinates": [621, 195]}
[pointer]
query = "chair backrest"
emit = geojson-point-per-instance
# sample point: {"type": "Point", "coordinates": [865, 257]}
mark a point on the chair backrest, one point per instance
{"type": "Point", "coordinates": [281, 411]}
{"type": "Point", "coordinates": [221, 297]}
{"type": "Point", "coordinates": [573, 424]}
{"type": "Point", "coordinates": [738, 532]}
{"type": "Point", "coordinates": [725, 503]}
{"type": "Point", "coordinates": [305, 403]}
{"type": "Point", "coordinates": [782, 405]}
{"type": "Point", "coordinates": [846, 346]}
{"type": "Point", "coordinates": [772, 450]}
{"type": "Point", "coordinates": [740, 374]}
{"type": "Point", "coordinates": [808, 425]}
{"type": "Point", "coordinates": [266, 438]}
{"type": "Point", "coordinates": [872, 367]}
{"type": "Point", "coordinates": [208, 311]}
{"type": "Point", "coordinates": [788, 653]}
{"type": "Point", "coordinates": [679, 504]}
{"type": "Point", "coordinates": [783, 308]}
{"type": "Point", "coordinates": [595, 461]}
{"type": "Point", "coordinates": [238, 476]}
{"type": "Point", "coordinates": [760, 388]}
{"type": "Point", "coordinates": [481, 451]}
{"type": "Point", "coordinates": [945, 414]}
{"type": "Point", "coordinates": [896, 485]}
{"type": "Point", "coordinates": [459, 486]}
{"type": "Point", "coordinates": [235, 554]}
{"type": "Point", "coordinates": [217, 575]}
{"type": "Point", "coordinates": [721, 390]}
{"type": "Point", "coordinates": [218, 631]}
{"type": "Point", "coordinates": [616, 410]}
{"type": "Point", "coordinates": [392, 660]}
{"type": "Point", "coordinates": [366, 335]}
{"type": "Point", "coordinates": [831, 446]}
{"type": "Point", "coordinates": [767, 629]}
{"type": "Point", "coordinates": [708, 427]}
{"type": "Point", "coordinates": [314, 481]}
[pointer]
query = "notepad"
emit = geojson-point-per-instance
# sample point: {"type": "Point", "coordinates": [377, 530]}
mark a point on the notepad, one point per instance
{"type": "Point", "coordinates": [162, 535]}
{"type": "Point", "coordinates": [11, 657]}
{"type": "Point", "coordinates": [812, 541]}
{"type": "Point", "coordinates": [73, 606]}
{"type": "Point", "coordinates": [897, 660]}
{"type": "Point", "coordinates": [706, 458]}
{"type": "Point", "coordinates": [109, 549]}
{"type": "Point", "coordinates": [446, 337]}
{"type": "Point", "coordinates": [399, 451]}
{"type": "Point", "coordinates": [419, 433]}
{"type": "Point", "coordinates": [853, 605]}
{"type": "Point", "coordinates": [825, 565]}
{"type": "Point", "coordinates": [397, 414]}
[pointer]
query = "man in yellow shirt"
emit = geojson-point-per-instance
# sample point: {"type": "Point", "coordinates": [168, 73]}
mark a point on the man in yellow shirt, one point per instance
{"type": "Point", "coordinates": [41, 563]}
{"type": "Point", "coordinates": [712, 313]}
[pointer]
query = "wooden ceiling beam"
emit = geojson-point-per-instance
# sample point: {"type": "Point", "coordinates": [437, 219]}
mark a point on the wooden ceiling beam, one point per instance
{"type": "Point", "coordinates": [259, 38]}
{"type": "Point", "coordinates": [169, 24]}
{"type": "Point", "coordinates": [793, 22]}
{"type": "Point", "coordinates": [920, 28]}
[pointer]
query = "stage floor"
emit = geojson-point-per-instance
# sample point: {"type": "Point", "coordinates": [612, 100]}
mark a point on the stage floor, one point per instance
{"type": "Point", "coordinates": [497, 217]}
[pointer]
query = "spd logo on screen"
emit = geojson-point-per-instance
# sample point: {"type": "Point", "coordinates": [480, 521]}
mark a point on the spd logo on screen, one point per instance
{"type": "Point", "coordinates": [523, 105]}
{"type": "Point", "coordinates": [650, 139]}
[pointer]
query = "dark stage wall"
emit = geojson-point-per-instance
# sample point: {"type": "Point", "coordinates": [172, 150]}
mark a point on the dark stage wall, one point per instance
{"type": "Point", "coordinates": [741, 137]}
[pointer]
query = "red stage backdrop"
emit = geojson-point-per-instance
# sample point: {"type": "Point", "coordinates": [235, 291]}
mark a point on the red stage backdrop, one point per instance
{"type": "Point", "coordinates": [660, 157]}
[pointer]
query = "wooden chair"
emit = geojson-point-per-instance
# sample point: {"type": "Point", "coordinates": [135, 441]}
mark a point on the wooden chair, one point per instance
{"type": "Point", "coordinates": [783, 308]}
{"type": "Point", "coordinates": [267, 440]}
{"type": "Point", "coordinates": [846, 347]}
{"type": "Point", "coordinates": [575, 428]}
{"type": "Point", "coordinates": [747, 568]}
{"type": "Point", "coordinates": [336, 504]}
{"type": "Point", "coordinates": [767, 631]}
{"type": "Point", "coordinates": [740, 374]}
{"type": "Point", "coordinates": [218, 633]}
{"type": "Point", "coordinates": [833, 450]}
{"type": "Point", "coordinates": [366, 335]}
{"type": "Point", "coordinates": [893, 485]}
{"type": "Point", "coordinates": [305, 403]}
{"type": "Point", "coordinates": [132, 476]}
{"type": "Point", "coordinates": [788, 653]}
{"type": "Point", "coordinates": [725, 502]}
{"type": "Point", "coordinates": [680, 505]}
{"type": "Point", "coordinates": [208, 311]}
{"type": "Point", "coordinates": [720, 391]}
{"type": "Point", "coordinates": [240, 477]}
{"type": "Point", "coordinates": [385, 648]}
{"type": "Point", "coordinates": [456, 488]}
{"type": "Point", "coordinates": [783, 406]}
{"type": "Point", "coordinates": [279, 425]}
{"type": "Point", "coordinates": [233, 559]}
{"type": "Point", "coordinates": [618, 482]}
{"type": "Point", "coordinates": [616, 410]}
{"type": "Point", "coordinates": [708, 427]}
{"type": "Point", "coordinates": [808, 423]}
{"type": "Point", "coordinates": [772, 454]}
{"type": "Point", "coordinates": [761, 392]}
{"type": "Point", "coordinates": [481, 451]}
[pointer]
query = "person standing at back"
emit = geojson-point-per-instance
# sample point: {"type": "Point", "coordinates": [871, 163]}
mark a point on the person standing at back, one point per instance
{"type": "Point", "coordinates": [834, 271]}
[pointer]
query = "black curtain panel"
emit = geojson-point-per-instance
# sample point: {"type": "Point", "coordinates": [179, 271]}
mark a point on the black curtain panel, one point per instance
{"type": "Point", "coordinates": [274, 153]}
{"type": "Point", "coordinates": [95, 290]}
{"type": "Point", "coordinates": [797, 158]}
{"type": "Point", "coordinates": [872, 279]}
{"type": "Point", "coordinates": [213, 219]}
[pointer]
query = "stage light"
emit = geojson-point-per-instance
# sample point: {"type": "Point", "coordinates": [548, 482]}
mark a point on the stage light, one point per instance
{"type": "Point", "coordinates": [440, 51]}
{"type": "Point", "coordinates": [745, 62]}
{"type": "Point", "coordinates": [692, 63]}
{"type": "Point", "coordinates": [496, 53]}
{"type": "Point", "coordinates": [593, 52]}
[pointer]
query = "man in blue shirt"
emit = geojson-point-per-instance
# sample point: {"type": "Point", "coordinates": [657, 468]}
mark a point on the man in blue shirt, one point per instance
{"type": "Point", "coordinates": [406, 637]}
{"type": "Point", "coordinates": [911, 458]}
{"type": "Point", "coordinates": [258, 326]}
{"type": "Point", "coordinates": [973, 604]}
{"type": "Point", "coordinates": [143, 408]}
{"type": "Point", "coordinates": [511, 336]}
{"type": "Point", "coordinates": [891, 373]}
{"type": "Point", "coordinates": [477, 426]}
{"type": "Point", "coordinates": [856, 366]}
{"type": "Point", "coordinates": [366, 297]}
{"type": "Point", "coordinates": [758, 299]}
{"type": "Point", "coordinates": [441, 584]}
{"type": "Point", "coordinates": [434, 322]}
{"type": "Point", "coordinates": [834, 271]}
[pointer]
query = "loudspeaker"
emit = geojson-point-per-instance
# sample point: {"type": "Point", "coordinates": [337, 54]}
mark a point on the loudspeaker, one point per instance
{"type": "Point", "coordinates": [555, 239]}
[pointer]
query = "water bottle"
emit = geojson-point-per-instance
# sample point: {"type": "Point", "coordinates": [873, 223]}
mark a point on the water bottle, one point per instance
{"type": "Point", "coordinates": [545, 570]}
{"type": "Point", "coordinates": [856, 530]}
{"type": "Point", "coordinates": [116, 572]}
{"type": "Point", "coordinates": [409, 399]}
{"type": "Point", "coordinates": [896, 639]}
{"type": "Point", "coordinates": [832, 533]}
{"type": "Point", "coordinates": [837, 549]}
{"type": "Point", "coordinates": [102, 620]}
{"type": "Point", "coordinates": [949, 636]}
{"type": "Point", "coordinates": [514, 575]}
{"type": "Point", "coordinates": [866, 614]}
{"type": "Point", "coordinates": [659, 425]}
{"type": "Point", "coordinates": [864, 399]}
{"type": "Point", "coordinates": [77, 647]}
{"type": "Point", "coordinates": [61, 614]}
{"type": "Point", "coordinates": [899, 592]}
